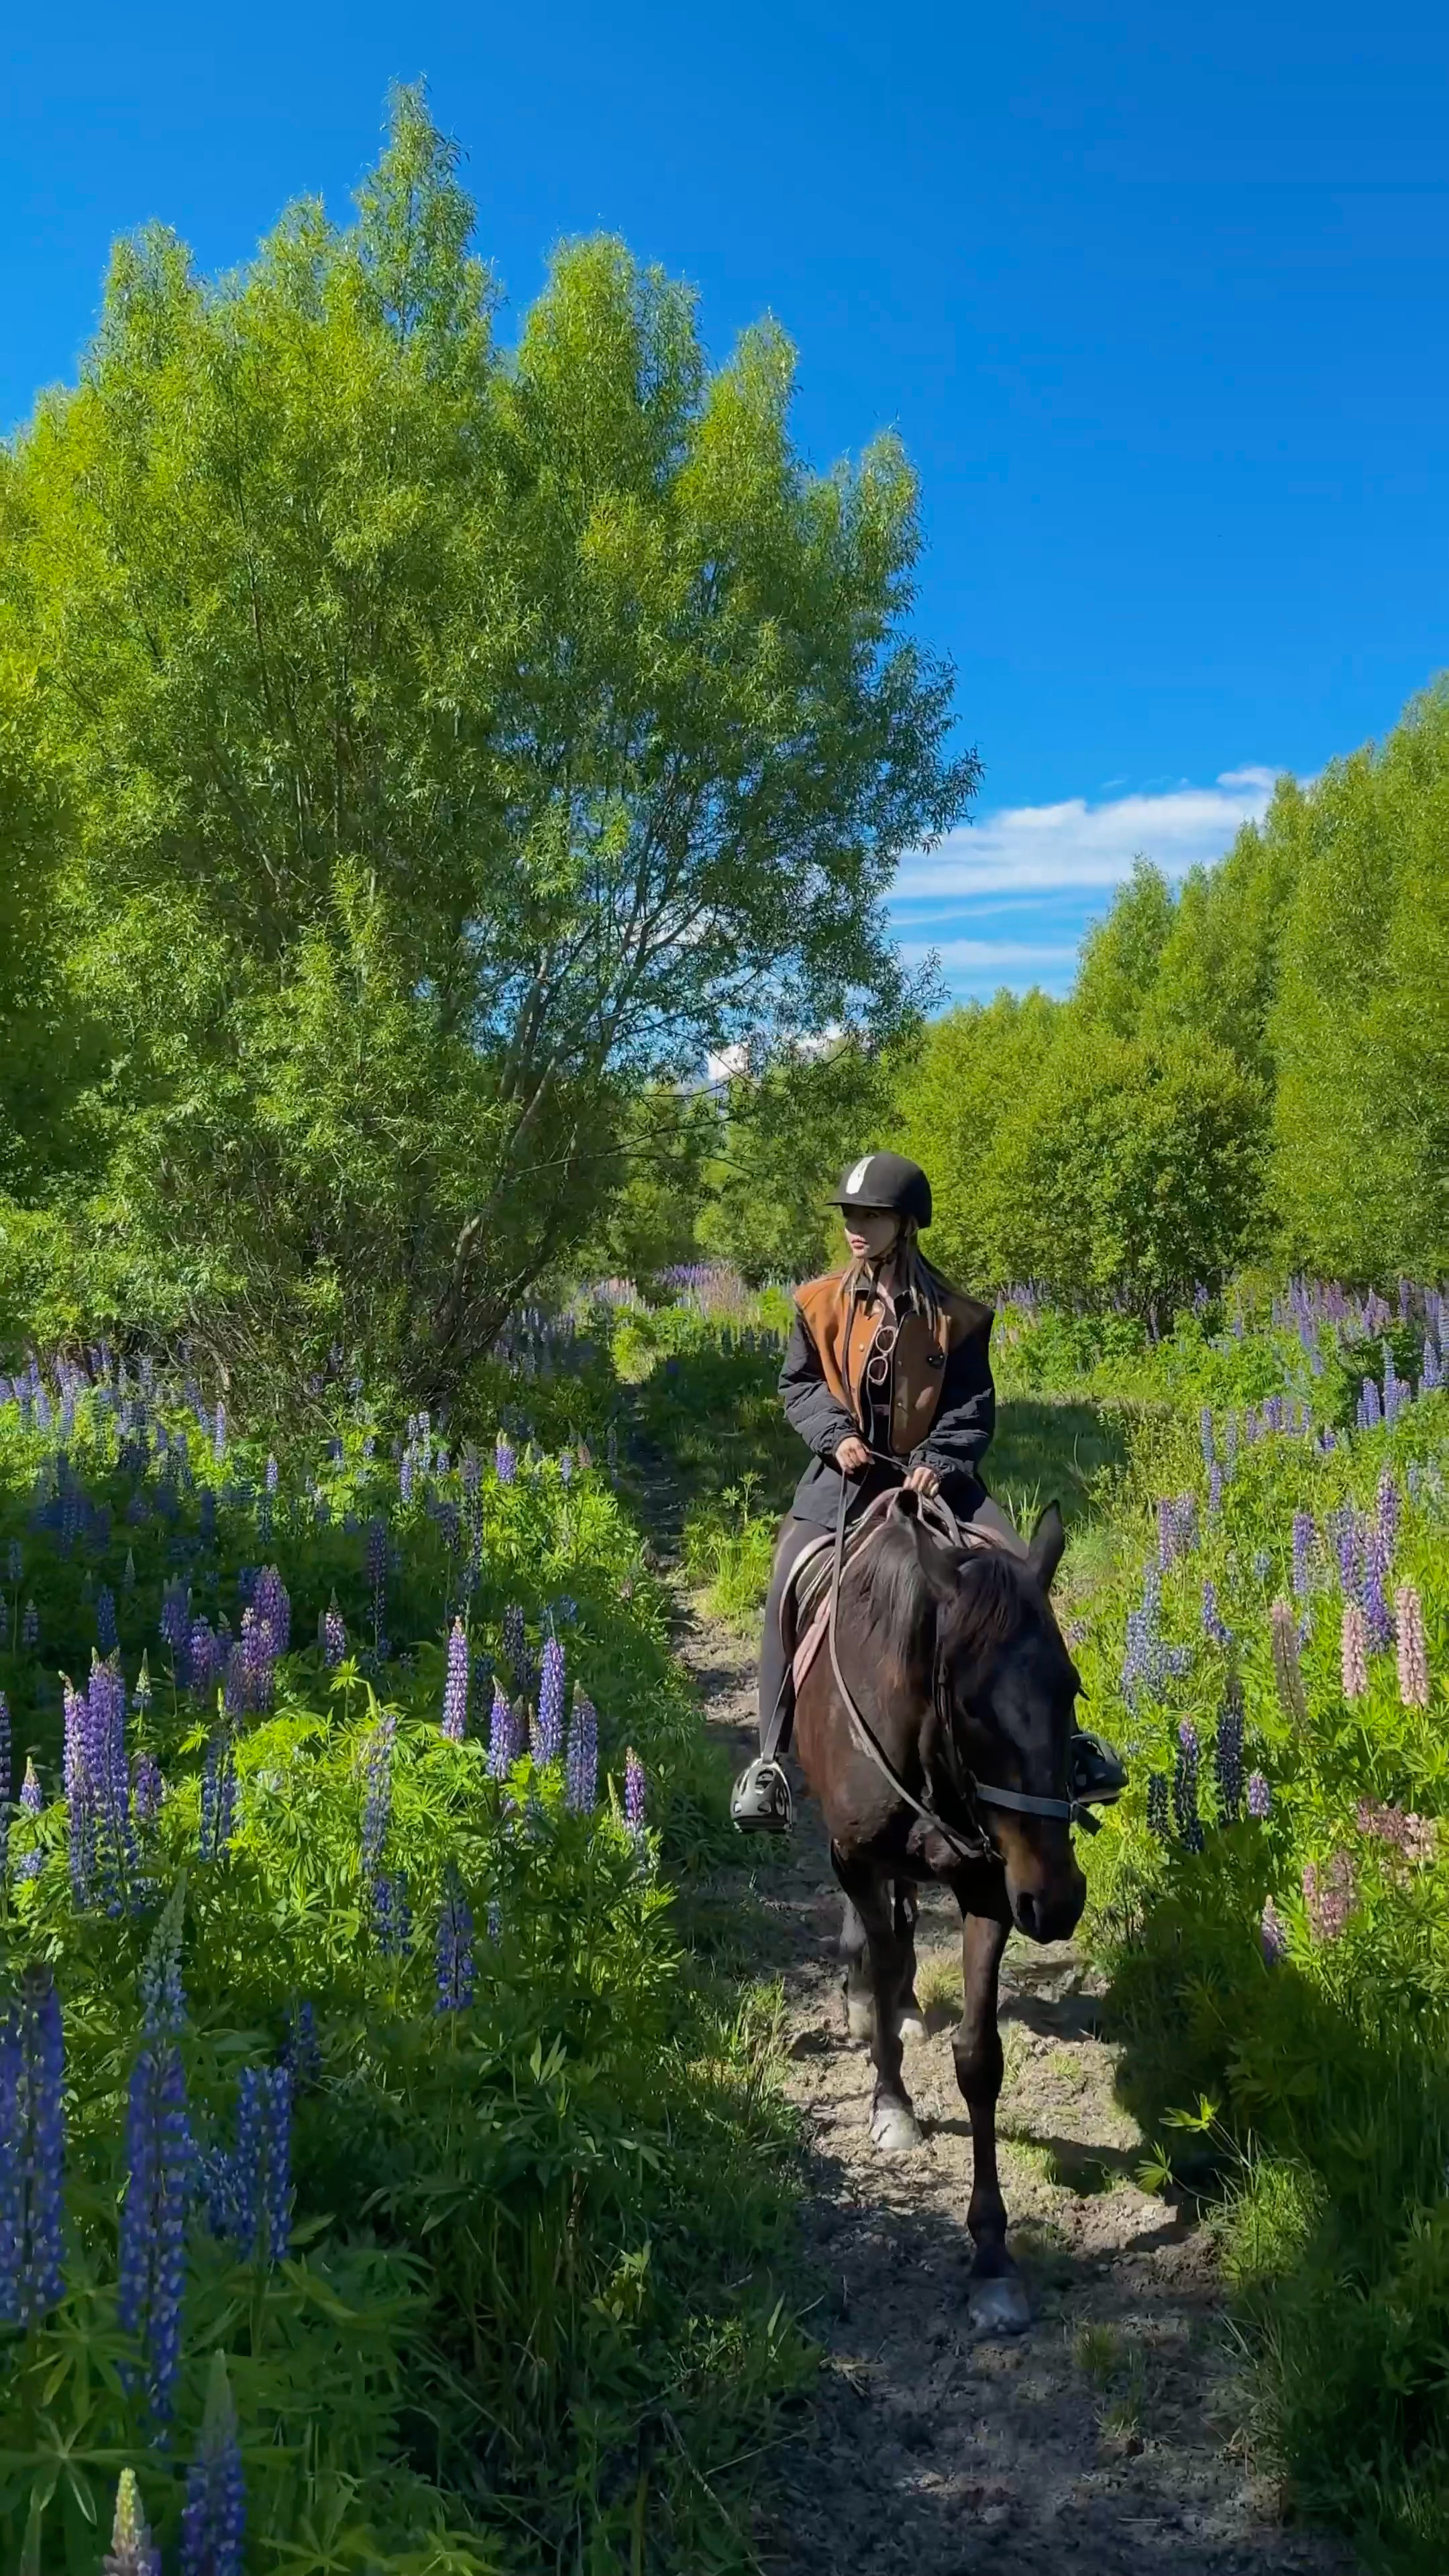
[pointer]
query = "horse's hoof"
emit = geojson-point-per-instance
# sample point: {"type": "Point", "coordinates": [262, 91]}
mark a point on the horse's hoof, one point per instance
{"type": "Point", "coordinates": [894, 2129]}
{"type": "Point", "coordinates": [999, 2306]}
{"type": "Point", "coordinates": [912, 2023]}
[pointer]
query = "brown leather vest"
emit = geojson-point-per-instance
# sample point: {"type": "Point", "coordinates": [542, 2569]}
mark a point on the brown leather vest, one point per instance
{"type": "Point", "coordinates": [843, 1327]}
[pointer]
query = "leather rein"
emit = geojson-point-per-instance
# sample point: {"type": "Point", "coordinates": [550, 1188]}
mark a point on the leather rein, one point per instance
{"type": "Point", "coordinates": [978, 1793]}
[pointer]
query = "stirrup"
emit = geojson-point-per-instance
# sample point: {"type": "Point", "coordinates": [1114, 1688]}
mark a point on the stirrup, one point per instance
{"type": "Point", "coordinates": [760, 1801]}
{"type": "Point", "coordinates": [1096, 1776]}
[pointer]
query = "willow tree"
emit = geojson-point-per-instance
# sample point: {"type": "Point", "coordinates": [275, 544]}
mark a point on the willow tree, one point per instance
{"type": "Point", "coordinates": [461, 738]}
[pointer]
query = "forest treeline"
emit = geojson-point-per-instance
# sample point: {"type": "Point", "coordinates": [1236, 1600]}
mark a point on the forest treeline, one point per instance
{"type": "Point", "coordinates": [420, 752]}
{"type": "Point", "coordinates": [1253, 1069]}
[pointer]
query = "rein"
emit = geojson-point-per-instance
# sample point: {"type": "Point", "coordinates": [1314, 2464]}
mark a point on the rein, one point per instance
{"type": "Point", "coordinates": [979, 1793]}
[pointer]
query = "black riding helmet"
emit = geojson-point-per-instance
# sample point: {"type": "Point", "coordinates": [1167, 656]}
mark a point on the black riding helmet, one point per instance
{"type": "Point", "coordinates": [889, 1182]}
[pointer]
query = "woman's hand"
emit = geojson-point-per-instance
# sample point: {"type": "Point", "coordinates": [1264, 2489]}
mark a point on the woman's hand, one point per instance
{"type": "Point", "coordinates": [923, 1480]}
{"type": "Point", "coordinates": [852, 1456]}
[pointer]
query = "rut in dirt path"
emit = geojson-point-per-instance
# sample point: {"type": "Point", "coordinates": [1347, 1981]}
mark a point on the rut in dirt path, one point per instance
{"type": "Point", "coordinates": [1103, 2439]}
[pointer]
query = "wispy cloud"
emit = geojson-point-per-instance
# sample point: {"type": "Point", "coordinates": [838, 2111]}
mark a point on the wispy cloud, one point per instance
{"type": "Point", "coordinates": [1025, 848]}
{"type": "Point", "coordinates": [974, 957]}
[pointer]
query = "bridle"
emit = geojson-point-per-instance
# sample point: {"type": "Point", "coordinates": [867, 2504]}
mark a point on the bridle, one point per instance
{"type": "Point", "coordinates": [977, 1793]}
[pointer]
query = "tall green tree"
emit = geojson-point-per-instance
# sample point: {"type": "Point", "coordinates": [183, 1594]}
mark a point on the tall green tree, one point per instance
{"type": "Point", "coordinates": [460, 740]}
{"type": "Point", "coordinates": [974, 1070]}
{"type": "Point", "coordinates": [1132, 1171]}
{"type": "Point", "coordinates": [790, 1128]}
{"type": "Point", "coordinates": [1122, 954]}
{"type": "Point", "coordinates": [1361, 1024]}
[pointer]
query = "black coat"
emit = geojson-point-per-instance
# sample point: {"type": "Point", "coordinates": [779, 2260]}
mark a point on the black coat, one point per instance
{"type": "Point", "coordinates": [958, 1440]}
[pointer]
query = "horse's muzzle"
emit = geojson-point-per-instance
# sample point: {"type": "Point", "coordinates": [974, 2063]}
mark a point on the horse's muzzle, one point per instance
{"type": "Point", "coordinates": [1052, 1912]}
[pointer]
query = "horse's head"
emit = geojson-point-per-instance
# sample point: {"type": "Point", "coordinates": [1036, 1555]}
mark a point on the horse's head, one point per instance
{"type": "Point", "coordinates": [1005, 1689]}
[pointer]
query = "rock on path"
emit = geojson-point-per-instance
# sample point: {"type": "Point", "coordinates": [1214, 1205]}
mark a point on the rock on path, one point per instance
{"type": "Point", "coordinates": [1100, 2442]}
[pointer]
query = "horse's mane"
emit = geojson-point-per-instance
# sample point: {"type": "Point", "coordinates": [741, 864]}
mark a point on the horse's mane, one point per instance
{"type": "Point", "coordinates": [987, 1605]}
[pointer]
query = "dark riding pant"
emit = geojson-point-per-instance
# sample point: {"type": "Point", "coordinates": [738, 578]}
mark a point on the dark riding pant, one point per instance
{"type": "Point", "coordinates": [776, 1650]}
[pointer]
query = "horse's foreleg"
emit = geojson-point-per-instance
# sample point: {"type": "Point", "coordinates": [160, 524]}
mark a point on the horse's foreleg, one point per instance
{"type": "Point", "coordinates": [892, 2121]}
{"type": "Point", "coordinates": [998, 2296]}
{"type": "Point", "coordinates": [856, 1986]}
{"type": "Point", "coordinates": [910, 2020]}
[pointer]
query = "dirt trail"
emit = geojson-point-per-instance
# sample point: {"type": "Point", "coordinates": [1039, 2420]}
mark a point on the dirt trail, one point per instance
{"type": "Point", "coordinates": [1102, 2439]}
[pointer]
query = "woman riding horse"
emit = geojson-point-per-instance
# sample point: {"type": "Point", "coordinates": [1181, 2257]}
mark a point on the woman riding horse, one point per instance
{"type": "Point", "coordinates": [937, 1721]}
{"type": "Point", "coordinates": [887, 1378]}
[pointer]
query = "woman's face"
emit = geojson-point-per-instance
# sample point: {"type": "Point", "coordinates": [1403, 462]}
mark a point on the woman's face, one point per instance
{"type": "Point", "coordinates": [870, 1232]}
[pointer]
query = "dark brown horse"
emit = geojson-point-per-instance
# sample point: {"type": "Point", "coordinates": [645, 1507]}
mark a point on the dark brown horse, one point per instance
{"type": "Point", "coordinates": [955, 1663]}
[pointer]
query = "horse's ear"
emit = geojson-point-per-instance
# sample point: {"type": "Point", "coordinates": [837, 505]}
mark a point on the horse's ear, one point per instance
{"type": "Point", "coordinates": [1048, 1541]}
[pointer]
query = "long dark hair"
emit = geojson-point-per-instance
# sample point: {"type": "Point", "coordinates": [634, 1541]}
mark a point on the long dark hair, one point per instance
{"type": "Point", "coordinates": [914, 1273]}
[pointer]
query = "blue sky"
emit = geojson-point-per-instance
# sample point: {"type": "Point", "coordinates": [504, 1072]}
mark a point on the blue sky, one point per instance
{"type": "Point", "coordinates": [1156, 296]}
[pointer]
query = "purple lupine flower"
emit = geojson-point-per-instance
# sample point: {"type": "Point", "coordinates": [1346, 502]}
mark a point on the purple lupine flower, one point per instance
{"type": "Point", "coordinates": [1433, 1373]}
{"type": "Point", "coordinates": [1213, 1625]}
{"type": "Point", "coordinates": [264, 2161]}
{"type": "Point", "coordinates": [1185, 1787]}
{"type": "Point", "coordinates": [1329, 1895]}
{"type": "Point", "coordinates": [132, 2551]}
{"type": "Point", "coordinates": [80, 1798]}
{"type": "Point", "coordinates": [377, 1793]}
{"type": "Point", "coordinates": [565, 1467]}
{"type": "Point", "coordinates": [1388, 1509]}
{"type": "Point", "coordinates": [334, 1636]}
{"type": "Point", "coordinates": [273, 1607]}
{"type": "Point", "coordinates": [32, 1797]}
{"type": "Point", "coordinates": [1375, 1590]}
{"type": "Point", "coordinates": [495, 1921]}
{"type": "Point", "coordinates": [548, 1735]}
{"type": "Point", "coordinates": [455, 1688]}
{"type": "Point", "coordinates": [107, 1637]}
{"type": "Point", "coordinates": [581, 1770]}
{"type": "Point", "coordinates": [1413, 1657]}
{"type": "Point", "coordinates": [1215, 1491]}
{"type": "Point", "coordinates": [1262, 1565]}
{"type": "Point", "coordinates": [1272, 1933]}
{"type": "Point", "coordinates": [303, 2053]}
{"type": "Point", "coordinates": [1157, 1805]}
{"type": "Point", "coordinates": [1304, 1534]}
{"type": "Point", "coordinates": [1137, 1658]}
{"type": "Point", "coordinates": [405, 1476]}
{"type": "Point", "coordinates": [502, 1736]}
{"type": "Point", "coordinates": [5, 1763]}
{"type": "Point", "coordinates": [201, 1657]}
{"type": "Point", "coordinates": [218, 1794]}
{"type": "Point", "coordinates": [147, 1788]}
{"type": "Point", "coordinates": [455, 1973]}
{"type": "Point", "coordinates": [392, 1921]}
{"type": "Point", "coordinates": [14, 1562]}
{"type": "Point", "coordinates": [273, 1475]}
{"type": "Point", "coordinates": [505, 1460]}
{"type": "Point", "coordinates": [1260, 1797]}
{"type": "Point", "coordinates": [175, 1626]}
{"type": "Point", "coordinates": [213, 2522]}
{"type": "Point", "coordinates": [1228, 1753]}
{"type": "Point", "coordinates": [159, 2159]}
{"type": "Point", "coordinates": [32, 2150]}
{"type": "Point", "coordinates": [1205, 1429]}
{"type": "Point", "coordinates": [30, 1626]}
{"type": "Point", "coordinates": [515, 1645]}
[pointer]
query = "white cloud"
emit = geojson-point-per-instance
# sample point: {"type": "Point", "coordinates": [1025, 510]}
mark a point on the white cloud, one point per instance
{"type": "Point", "coordinates": [1026, 847]}
{"type": "Point", "coordinates": [979, 956]}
